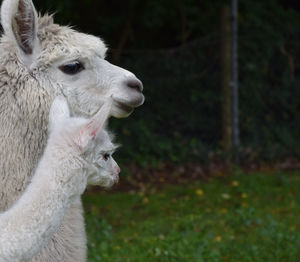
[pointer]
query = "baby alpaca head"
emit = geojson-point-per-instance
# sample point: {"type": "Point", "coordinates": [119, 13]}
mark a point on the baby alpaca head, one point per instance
{"type": "Point", "coordinates": [103, 169]}
{"type": "Point", "coordinates": [85, 139]}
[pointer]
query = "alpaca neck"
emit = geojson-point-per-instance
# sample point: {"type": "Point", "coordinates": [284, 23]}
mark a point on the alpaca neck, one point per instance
{"type": "Point", "coordinates": [24, 125]}
{"type": "Point", "coordinates": [35, 217]}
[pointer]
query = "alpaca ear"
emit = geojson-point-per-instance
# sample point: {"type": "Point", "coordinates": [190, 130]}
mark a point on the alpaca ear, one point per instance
{"type": "Point", "coordinates": [92, 128]}
{"type": "Point", "coordinates": [59, 111]}
{"type": "Point", "coordinates": [20, 23]}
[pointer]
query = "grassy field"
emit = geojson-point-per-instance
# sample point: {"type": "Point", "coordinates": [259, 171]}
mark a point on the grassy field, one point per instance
{"type": "Point", "coordinates": [244, 217]}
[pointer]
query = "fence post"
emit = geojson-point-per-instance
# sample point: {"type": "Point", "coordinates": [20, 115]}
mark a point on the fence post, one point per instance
{"type": "Point", "coordinates": [226, 77]}
{"type": "Point", "coordinates": [235, 87]}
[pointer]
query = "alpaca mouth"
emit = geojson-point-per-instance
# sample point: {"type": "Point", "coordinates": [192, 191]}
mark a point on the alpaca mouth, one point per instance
{"type": "Point", "coordinates": [124, 107]}
{"type": "Point", "coordinates": [137, 101]}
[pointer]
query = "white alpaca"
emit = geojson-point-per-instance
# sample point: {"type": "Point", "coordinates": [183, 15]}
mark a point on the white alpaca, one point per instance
{"type": "Point", "coordinates": [78, 153]}
{"type": "Point", "coordinates": [38, 60]}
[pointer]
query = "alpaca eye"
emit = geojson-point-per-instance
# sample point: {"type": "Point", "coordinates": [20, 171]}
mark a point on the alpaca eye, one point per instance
{"type": "Point", "coordinates": [106, 156]}
{"type": "Point", "coordinates": [72, 69]}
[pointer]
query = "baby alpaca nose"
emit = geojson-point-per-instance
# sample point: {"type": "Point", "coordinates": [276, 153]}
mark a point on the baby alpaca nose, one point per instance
{"type": "Point", "coordinates": [118, 170]}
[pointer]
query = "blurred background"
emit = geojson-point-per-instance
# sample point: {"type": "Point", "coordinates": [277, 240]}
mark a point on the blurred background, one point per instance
{"type": "Point", "coordinates": [177, 49]}
{"type": "Point", "coordinates": [218, 209]}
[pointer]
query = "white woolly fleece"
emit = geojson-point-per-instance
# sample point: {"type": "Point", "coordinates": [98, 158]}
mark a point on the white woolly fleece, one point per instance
{"type": "Point", "coordinates": [60, 178]}
{"type": "Point", "coordinates": [28, 85]}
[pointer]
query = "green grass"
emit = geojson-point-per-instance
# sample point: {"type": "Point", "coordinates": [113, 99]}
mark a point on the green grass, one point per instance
{"type": "Point", "coordinates": [245, 217]}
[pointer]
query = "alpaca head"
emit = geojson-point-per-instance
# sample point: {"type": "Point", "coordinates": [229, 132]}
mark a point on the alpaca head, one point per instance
{"type": "Point", "coordinates": [67, 62]}
{"type": "Point", "coordinates": [85, 139]}
{"type": "Point", "coordinates": [103, 169]}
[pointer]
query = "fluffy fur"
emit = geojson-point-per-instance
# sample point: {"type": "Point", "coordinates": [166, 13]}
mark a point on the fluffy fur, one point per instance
{"type": "Point", "coordinates": [28, 84]}
{"type": "Point", "coordinates": [78, 152]}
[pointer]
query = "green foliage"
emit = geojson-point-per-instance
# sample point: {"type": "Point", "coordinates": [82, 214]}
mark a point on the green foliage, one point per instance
{"type": "Point", "coordinates": [250, 217]}
{"type": "Point", "coordinates": [177, 56]}
{"type": "Point", "coordinates": [182, 113]}
{"type": "Point", "coordinates": [269, 89]}
{"type": "Point", "coordinates": [168, 20]}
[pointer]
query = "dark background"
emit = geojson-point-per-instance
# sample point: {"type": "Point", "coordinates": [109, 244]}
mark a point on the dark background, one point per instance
{"type": "Point", "coordinates": [174, 47]}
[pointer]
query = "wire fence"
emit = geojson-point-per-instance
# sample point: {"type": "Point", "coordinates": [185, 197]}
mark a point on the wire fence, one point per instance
{"type": "Point", "coordinates": [182, 116]}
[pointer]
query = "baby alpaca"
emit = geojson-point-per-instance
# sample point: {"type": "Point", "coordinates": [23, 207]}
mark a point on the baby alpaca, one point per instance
{"type": "Point", "coordinates": [78, 153]}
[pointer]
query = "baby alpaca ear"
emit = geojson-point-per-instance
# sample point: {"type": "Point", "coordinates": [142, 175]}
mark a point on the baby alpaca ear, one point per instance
{"type": "Point", "coordinates": [90, 130]}
{"type": "Point", "coordinates": [19, 21]}
{"type": "Point", "coordinates": [59, 111]}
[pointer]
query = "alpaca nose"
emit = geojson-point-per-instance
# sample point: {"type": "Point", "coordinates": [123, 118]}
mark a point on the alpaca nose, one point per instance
{"type": "Point", "coordinates": [118, 170]}
{"type": "Point", "coordinates": [134, 83]}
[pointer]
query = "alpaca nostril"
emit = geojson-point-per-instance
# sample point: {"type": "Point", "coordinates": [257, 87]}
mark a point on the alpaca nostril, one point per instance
{"type": "Point", "coordinates": [135, 83]}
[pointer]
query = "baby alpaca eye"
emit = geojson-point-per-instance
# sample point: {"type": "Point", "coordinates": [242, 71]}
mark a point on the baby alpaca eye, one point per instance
{"type": "Point", "coordinates": [106, 156]}
{"type": "Point", "coordinates": [72, 68]}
